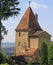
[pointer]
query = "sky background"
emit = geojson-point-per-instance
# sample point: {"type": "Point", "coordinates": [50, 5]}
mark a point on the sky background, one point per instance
{"type": "Point", "coordinates": [44, 9]}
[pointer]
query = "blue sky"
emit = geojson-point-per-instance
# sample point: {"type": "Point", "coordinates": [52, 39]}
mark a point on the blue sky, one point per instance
{"type": "Point", "coordinates": [44, 9]}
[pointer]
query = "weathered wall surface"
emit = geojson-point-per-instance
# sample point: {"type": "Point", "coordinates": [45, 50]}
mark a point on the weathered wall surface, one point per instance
{"type": "Point", "coordinates": [36, 56]}
{"type": "Point", "coordinates": [21, 41]}
{"type": "Point", "coordinates": [34, 42]}
{"type": "Point", "coordinates": [44, 37]}
{"type": "Point", "coordinates": [33, 58]}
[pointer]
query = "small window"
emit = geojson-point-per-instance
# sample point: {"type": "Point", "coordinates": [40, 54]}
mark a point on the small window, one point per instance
{"type": "Point", "coordinates": [19, 34]}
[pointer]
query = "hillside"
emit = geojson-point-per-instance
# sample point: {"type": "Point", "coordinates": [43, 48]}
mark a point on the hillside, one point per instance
{"type": "Point", "coordinates": [8, 48]}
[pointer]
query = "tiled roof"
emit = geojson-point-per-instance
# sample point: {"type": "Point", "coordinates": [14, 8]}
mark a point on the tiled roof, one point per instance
{"type": "Point", "coordinates": [29, 21]}
{"type": "Point", "coordinates": [37, 33]}
{"type": "Point", "coordinates": [29, 52]}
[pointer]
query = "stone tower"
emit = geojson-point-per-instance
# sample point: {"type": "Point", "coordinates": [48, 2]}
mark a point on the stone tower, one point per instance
{"type": "Point", "coordinates": [29, 35]}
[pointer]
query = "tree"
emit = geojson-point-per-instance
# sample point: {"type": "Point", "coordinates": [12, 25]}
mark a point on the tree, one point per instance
{"type": "Point", "coordinates": [44, 54]}
{"type": "Point", "coordinates": [50, 54]}
{"type": "Point", "coordinates": [2, 58]}
{"type": "Point", "coordinates": [7, 8]}
{"type": "Point", "coordinates": [4, 64]}
{"type": "Point", "coordinates": [3, 33]}
{"type": "Point", "coordinates": [29, 63]}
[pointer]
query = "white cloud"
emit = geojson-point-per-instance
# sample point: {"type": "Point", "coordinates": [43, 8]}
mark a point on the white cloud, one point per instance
{"type": "Point", "coordinates": [37, 5]}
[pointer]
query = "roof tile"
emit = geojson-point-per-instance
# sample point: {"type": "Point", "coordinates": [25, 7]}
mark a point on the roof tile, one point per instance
{"type": "Point", "coordinates": [29, 52]}
{"type": "Point", "coordinates": [29, 21]}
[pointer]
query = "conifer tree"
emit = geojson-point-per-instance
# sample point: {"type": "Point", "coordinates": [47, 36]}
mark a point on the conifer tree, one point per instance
{"type": "Point", "coordinates": [50, 54]}
{"type": "Point", "coordinates": [44, 54]}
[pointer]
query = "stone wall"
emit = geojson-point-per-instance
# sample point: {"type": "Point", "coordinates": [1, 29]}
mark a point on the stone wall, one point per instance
{"type": "Point", "coordinates": [34, 42]}
{"type": "Point", "coordinates": [44, 37]}
{"type": "Point", "coordinates": [21, 41]}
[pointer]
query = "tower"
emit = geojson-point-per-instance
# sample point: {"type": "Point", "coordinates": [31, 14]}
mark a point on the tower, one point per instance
{"type": "Point", "coordinates": [29, 35]}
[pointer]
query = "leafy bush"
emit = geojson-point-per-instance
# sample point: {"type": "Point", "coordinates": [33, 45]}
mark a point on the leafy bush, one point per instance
{"type": "Point", "coordinates": [29, 63]}
{"type": "Point", "coordinates": [2, 58]}
{"type": "Point", "coordinates": [4, 64]}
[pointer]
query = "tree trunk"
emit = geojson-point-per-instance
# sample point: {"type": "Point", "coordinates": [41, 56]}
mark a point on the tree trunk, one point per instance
{"type": "Point", "coordinates": [0, 32]}
{"type": "Point", "coordinates": [0, 46]}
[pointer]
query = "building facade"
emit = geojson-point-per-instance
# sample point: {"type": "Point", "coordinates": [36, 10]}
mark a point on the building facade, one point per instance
{"type": "Point", "coordinates": [29, 36]}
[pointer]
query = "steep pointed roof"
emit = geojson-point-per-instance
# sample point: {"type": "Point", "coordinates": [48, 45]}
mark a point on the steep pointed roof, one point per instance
{"type": "Point", "coordinates": [29, 21]}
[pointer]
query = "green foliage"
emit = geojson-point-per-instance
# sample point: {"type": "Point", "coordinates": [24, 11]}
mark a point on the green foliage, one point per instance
{"type": "Point", "coordinates": [44, 54]}
{"type": "Point", "coordinates": [10, 61]}
{"type": "Point", "coordinates": [22, 63]}
{"type": "Point", "coordinates": [29, 63]}
{"type": "Point", "coordinates": [6, 60]}
{"type": "Point", "coordinates": [2, 58]}
{"type": "Point", "coordinates": [7, 8]}
{"type": "Point", "coordinates": [3, 32]}
{"type": "Point", "coordinates": [50, 54]}
{"type": "Point", "coordinates": [4, 64]}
